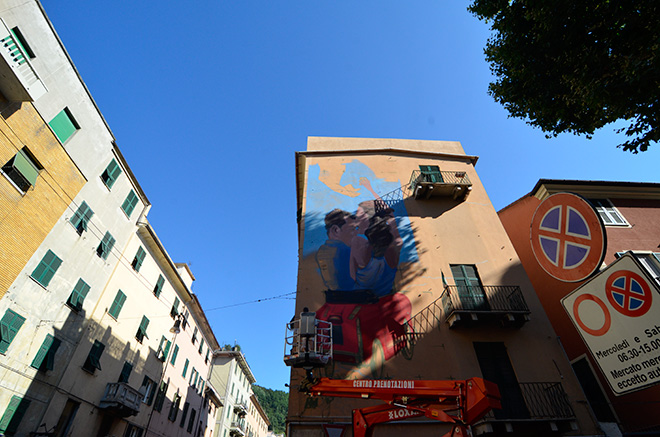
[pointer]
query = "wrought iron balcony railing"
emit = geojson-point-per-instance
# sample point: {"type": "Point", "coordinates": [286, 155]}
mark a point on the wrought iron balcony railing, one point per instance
{"type": "Point", "coordinates": [504, 302]}
{"type": "Point", "coordinates": [122, 398]}
{"type": "Point", "coordinates": [237, 429]}
{"type": "Point", "coordinates": [425, 184]}
{"type": "Point", "coordinates": [539, 401]}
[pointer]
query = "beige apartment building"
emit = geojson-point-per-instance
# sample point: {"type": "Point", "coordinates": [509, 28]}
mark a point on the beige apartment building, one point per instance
{"type": "Point", "coordinates": [402, 251]}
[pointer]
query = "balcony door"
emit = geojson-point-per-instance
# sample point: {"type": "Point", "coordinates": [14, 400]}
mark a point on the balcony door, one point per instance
{"type": "Point", "coordinates": [496, 367]}
{"type": "Point", "coordinates": [469, 287]}
{"type": "Point", "coordinates": [431, 173]}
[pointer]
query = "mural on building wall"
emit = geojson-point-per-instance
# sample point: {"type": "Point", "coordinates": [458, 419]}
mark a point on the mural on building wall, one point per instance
{"type": "Point", "coordinates": [359, 243]}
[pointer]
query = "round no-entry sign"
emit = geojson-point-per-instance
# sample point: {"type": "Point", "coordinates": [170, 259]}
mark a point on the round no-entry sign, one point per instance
{"type": "Point", "coordinates": [568, 237]}
{"type": "Point", "coordinates": [628, 293]}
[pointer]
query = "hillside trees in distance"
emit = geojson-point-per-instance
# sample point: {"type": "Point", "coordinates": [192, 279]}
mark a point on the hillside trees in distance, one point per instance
{"type": "Point", "coordinates": [276, 404]}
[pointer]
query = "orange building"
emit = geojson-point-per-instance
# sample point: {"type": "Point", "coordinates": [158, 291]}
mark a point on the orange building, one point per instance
{"type": "Point", "coordinates": [402, 251]}
{"type": "Point", "coordinates": [630, 213]}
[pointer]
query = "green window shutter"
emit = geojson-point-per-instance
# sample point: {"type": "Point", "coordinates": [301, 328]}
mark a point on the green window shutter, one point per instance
{"type": "Point", "coordinates": [185, 413]}
{"type": "Point", "coordinates": [46, 268]}
{"type": "Point", "coordinates": [94, 358]}
{"type": "Point", "coordinates": [10, 323]}
{"type": "Point", "coordinates": [201, 345]}
{"type": "Point", "coordinates": [167, 350]}
{"type": "Point", "coordinates": [129, 204]}
{"type": "Point", "coordinates": [106, 245]}
{"type": "Point", "coordinates": [174, 354]}
{"type": "Point", "coordinates": [139, 258]}
{"type": "Point", "coordinates": [185, 367]}
{"type": "Point", "coordinates": [117, 304]}
{"type": "Point", "coordinates": [125, 372]}
{"type": "Point", "coordinates": [208, 351]}
{"type": "Point", "coordinates": [64, 125]}
{"type": "Point", "coordinates": [142, 330]}
{"type": "Point", "coordinates": [175, 307]}
{"type": "Point", "coordinates": [45, 358]}
{"type": "Point", "coordinates": [81, 218]}
{"type": "Point", "coordinates": [78, 295]}
{"type": "Point", "coordinates": [26, 167]}
{"type": "Point", "coordinates": [193, 377]}
{"type": "Point", "coordinates": [431, 173]}
{"type": "Point", "coordinates": [13, 415]}
{"type": "Point", "coordinates": [111, 173]}
{"type": "Point", "coordinates": [159, 285]}
{"type": "Point", "coordinates": [22, 42]}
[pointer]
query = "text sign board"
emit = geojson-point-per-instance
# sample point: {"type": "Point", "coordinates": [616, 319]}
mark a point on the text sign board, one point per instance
{"type": "Point", "coordinates": [617, 313]}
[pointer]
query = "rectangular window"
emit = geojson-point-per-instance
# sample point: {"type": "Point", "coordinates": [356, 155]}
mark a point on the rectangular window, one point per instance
{"type": "Point", "coordinates": [105, 246]}
{"type": "Point", "coordinates": [608, 213]}
{"type": "Point", "coordinates": [111, 173]}
{"type": "Point", "coordinates": [64, 125]}
{"type": "Point", "coordinates": [148, 388]}
{"type": "Point", "coordinates": [13, 415]}
{"type": "Point", "coordinates": [163, 348]}
{"type": "Point", "coordinates": [201, 345]}
{"type": "Point", "coordinates": [159, 285]}
{"type": "Point", "coordinates": [10, 323]}
{"type": "Point", "coordinates": [133, 431]}
{"type": "Point", "coordinates": [46, 268]}
{"type": "Point", "coordinates": [77, 296]}
{"type": "Point", "coordinates": [93, 360]}
{"type": "Point", "coordinates": [142, 329]}
{"type": "Point", "coordinates": [160, 397]}
{"type": "Point", "coordinates": [193, 377]}
{"type": "Point", "coordinates": [175, 308]}
{"type": "Point", "coordinates": [174, 409]}
{"type": "Point", "coordinates": [22, 42]}
{"type": "Point", "coordinates": [208, 352]}
{"type": "Point", "coordinates": [22, 170]}
{"type": "Point", "coordinates": [125, 372]}
{"type": "Point", "coordinates": [45, 359]}
{"type": "Point", "coordinates": [185, 413]}
{"type": "Point", "coordinates": [66, 418]}
{"type": "Point", "coordinates": [191, 420]}
{"type": "Point", "coordinates": [81, 218]}
{"type": "Point", "coordinates": [185, 367]}
{"type": "Point", "coordinates": [174, 354]}
{"type": "Point", "coordinates": [194, 336]}
{"type": "Point", "coordinates": [139, 258]}
{"type": "Point", "coordinates": [129, 204]}
{"type": "Point", "coordinates": [117, 304]}
{"type": "Point", "coordinates": [468, 286]}
{"type": "Point", "coordinates": [431, 173]}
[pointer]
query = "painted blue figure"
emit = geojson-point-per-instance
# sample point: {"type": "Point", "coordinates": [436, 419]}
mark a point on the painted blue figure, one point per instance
{"type": "Point", "coordinates": [334, 256]}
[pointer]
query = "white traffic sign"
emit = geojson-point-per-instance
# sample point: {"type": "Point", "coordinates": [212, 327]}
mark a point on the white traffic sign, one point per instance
{"type": "Point", "coordinates": [617, 313]}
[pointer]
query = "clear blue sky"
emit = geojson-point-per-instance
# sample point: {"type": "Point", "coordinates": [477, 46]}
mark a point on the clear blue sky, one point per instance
{"type": "Point", "coordinates": [209, 100]}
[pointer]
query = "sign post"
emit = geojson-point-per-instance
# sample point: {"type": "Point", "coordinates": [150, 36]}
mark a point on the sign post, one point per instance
{"type": "Point", "coordinates": [617, 313]}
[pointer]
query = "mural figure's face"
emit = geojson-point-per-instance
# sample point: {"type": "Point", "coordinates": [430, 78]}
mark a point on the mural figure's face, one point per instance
{"type": "Point", "coordinates": [344, 233]}
{"type": "Point", "coordinates": [362, 220]}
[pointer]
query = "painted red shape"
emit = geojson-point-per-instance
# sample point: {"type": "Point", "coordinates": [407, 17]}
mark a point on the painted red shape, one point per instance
{"type": "Point", "coordinates": [608, 318]}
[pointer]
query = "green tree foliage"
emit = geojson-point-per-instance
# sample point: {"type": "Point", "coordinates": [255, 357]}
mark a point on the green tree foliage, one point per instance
{"type": "Point", "coordinates": [577, 65]}
{"type": "Point", "coordinates": [276, 405]}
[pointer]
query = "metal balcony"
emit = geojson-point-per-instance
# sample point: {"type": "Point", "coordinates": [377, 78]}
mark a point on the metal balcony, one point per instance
{"type": "Point", "coordinates": [237, 429]}
{"type": "Point", "coordinates": [240, 409]}
{"type": "Point", "coordinates": [427, 184]}
{"type": "Point", "coordinates": [123, 399]}
{"type": "Point", "coordinates": [529, 407]}
{"type": "Point", "coordinates": [464, 305]}
{"type": "Point", "coordinates": [18, 79]}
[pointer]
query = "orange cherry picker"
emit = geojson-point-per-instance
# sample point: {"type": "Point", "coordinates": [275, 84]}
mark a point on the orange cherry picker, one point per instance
{"type": "Point", "coordinates": [461, 403]}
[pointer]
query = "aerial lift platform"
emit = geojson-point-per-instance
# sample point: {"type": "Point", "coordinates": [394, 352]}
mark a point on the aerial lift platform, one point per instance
{"type": "Point", "coordinates": [461, 403]}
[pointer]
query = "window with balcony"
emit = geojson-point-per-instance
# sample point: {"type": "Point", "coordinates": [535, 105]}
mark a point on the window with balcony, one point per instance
{"type": "Point", "coordinates": [46, 268]}
{"type": "Point", "coordinates": [45, 359]}
{"type": "Point", "coordinates": [469, 287]}
{"type": "Point", "coordinates": [81, 218]}
{"type": "Point", "coordinates": [125, 372]}
{"type": "Point", "coordinates": [77, 296]}
{"type": "Point", "coordinates": [111, 174]}
{"type": "Point", "coordinates": [105, 246]}
{"type": "Point", "coordinates": [64, 125]}
{"type": "Point", "coordinates": [608, 213]}
{"type": "Point", "coordinates": [22, 170]}
{"type": "Point", "coordinates": [93, 361]}
{"type": "Point", "coordinates": [10, 324]}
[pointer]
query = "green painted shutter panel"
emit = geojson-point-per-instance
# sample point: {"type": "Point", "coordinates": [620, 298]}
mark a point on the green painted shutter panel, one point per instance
{"type": "Point", "coordinates": [46, 269]}
{"type": "Point", "coordinates": [185, 367]}
{"type": "Point", "coordinates": [43, 350]}
{"type": "Point", "coordinates": [174, 354]}
{"type": "Point", "coordinates": [49, 363]}
{"type": "Point", "coordinates": [167, 350]}
{"type": "Point", "coordinates": [106, 245]}
{"type": "Point", "coordinates": [78, 294]}
{"type": "Point", "coordinates": [159, 285]}
{"type": "Point", "coordinates": [125, 372]}
{"type": "Point", "coordinates": [63, 125]}
{"type": "Point", "coordinates": [9, 413]}
{"type": "Point", "coordinates": [175, 307]}
{"type": "Point", "coordinates": [142, 330]}
{"type": "Point", "coordinates": [26, 167]}
{"type": "Point", "coordinates": [139, 258]}
{"type": "Point", "coordinates": [117, 304]}
{"type": "Point", "coordinates": [9, 325]}
{"type": "Point", "coordinates": [13, 415]}
{"type": "Point", "coordinates": [431, 173]}
{"type": "Point", "coordinates": [201, 345]}
{"type": "Point", "coordinates": [111, 173]}
{"type": "Point", "coordinates": [129, 204]}
{"type": "Point", "coordinates": [95, 354]}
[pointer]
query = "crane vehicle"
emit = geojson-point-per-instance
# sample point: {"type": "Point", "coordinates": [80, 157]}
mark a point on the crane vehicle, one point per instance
{"type": "Point", "coordinates": [461, 403]}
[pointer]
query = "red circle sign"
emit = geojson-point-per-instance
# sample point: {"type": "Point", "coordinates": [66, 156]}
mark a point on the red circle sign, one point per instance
{"type": "Point", "coordinates": [568, 237]}
{"type": "Point", "coordinates": [628, 293]}
{"type": "Point", "coordinates": [608, 318]}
